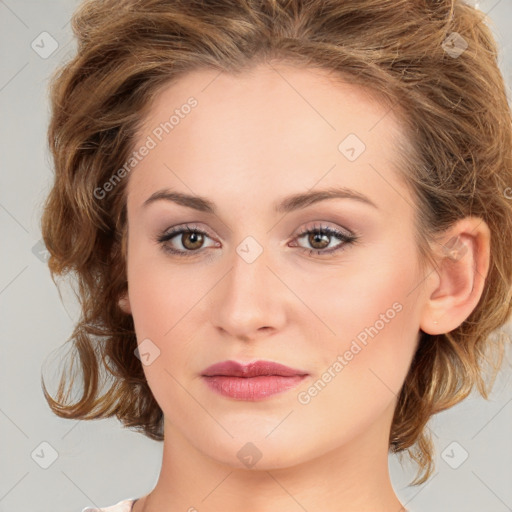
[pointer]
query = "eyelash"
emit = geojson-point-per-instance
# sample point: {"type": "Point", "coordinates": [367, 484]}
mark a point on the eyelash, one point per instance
{"type": "Point", "coordinates": [346, 239]}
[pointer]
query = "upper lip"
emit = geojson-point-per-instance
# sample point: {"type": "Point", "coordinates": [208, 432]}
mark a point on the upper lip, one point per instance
{"type": "Point", "coordinates": [255, 369]}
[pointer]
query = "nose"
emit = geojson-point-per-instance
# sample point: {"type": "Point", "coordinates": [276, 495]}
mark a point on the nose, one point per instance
{"type": "Point", "coordinates": [250, 301]}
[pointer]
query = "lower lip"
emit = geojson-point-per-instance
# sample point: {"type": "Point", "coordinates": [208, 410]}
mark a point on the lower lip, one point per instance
{"type": "Point", "coordinates": [252, 388]}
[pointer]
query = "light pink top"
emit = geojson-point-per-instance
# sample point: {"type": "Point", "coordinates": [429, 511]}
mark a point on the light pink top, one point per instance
{"type": "Point", "coordinates": [122, 506]}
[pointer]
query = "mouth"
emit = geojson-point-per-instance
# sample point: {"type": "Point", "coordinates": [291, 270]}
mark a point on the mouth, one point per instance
{"type": "Point", "coordinates": [254, 381]}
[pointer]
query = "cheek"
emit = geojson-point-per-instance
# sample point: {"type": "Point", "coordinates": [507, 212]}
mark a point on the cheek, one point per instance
{"type": "Point", "coordinates": [159, 293]}
{"type": "Point", "coordinates": [363, 369]}
{"type": "Point", "coordinates": [159, 304]}
{"type": "Point", "coordinates": [165, 302]}
{"type": "Point", "coordinates": [370, 317]}
{"type": "Point", "coordinates": [151, 307]}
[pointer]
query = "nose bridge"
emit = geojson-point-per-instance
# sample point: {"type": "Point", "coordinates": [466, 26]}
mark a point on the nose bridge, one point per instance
{"type": "Point", "coordinates": [250, 265]}
{"type": "Point", "coordinates": [249, 298]}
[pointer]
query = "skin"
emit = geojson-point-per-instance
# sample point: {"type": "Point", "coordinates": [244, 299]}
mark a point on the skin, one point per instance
{"type": "Point", "coordinates": [251, 141]}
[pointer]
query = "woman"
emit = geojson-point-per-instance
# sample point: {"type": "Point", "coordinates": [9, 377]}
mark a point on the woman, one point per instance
{"type": "Point", "coordinates": [291, 229]}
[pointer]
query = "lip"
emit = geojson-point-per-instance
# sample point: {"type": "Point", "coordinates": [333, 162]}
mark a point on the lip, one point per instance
{"type": "Point", "coordinates": [255, 369]}
{"type": "Point", "coordinates": [253, 381]}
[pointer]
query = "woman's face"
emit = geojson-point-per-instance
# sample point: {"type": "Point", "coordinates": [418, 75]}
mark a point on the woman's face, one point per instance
{"type": "Point", "coordinates": [249, 285]}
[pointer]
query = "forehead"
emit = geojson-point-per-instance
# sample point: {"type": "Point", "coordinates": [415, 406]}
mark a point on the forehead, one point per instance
{"type": "Point", "coordinates": [266, 96]}
{"type": "Point", "coordinates": [271, 127]}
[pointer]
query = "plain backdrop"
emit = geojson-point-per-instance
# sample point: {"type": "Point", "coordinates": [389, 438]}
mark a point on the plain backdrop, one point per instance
{"type": "Point", "coordinates": [53, 464]}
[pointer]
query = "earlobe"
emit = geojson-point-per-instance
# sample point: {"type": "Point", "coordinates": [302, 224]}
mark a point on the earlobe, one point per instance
{"type": "Point", "coordinates": [124, 304]}
{"type": "Point", "coordinates": [463, 263]}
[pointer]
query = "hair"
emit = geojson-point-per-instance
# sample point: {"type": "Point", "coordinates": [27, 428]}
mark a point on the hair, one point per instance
{"type": "Point", "coordinates": [456, 160]}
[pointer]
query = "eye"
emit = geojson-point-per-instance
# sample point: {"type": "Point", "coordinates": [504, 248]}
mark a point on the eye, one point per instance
{"type": "Point", "coordinates": [191, 240]}
{"type": "Point", "coordinates": [320, 237]}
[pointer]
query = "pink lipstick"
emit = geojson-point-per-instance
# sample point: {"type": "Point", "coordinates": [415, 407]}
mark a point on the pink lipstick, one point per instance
{"type": "Point", "coordinates": [254, 381]}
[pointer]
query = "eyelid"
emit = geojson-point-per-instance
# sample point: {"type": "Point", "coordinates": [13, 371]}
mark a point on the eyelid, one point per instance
{"type": "Point", "coordinates": [321, 225]}
{"type": "Point", "coordinates": [188, 226]}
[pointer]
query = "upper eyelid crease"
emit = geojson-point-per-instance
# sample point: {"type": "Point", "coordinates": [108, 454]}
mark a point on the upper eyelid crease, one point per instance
{"type": "Point", "coordinates": [288, 204]}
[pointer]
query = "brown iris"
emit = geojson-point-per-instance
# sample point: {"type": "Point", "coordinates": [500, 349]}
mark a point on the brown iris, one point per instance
{"type": "Point", "coordinates": [315, 238]}
{"type": "Point", "coordinates": [196, 240]}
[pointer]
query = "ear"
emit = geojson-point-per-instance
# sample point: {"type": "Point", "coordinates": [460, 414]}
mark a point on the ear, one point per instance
{"type": "Point", "coordinates": [456, 285]}
{"type": "Point", "coordinates": [124, 304]}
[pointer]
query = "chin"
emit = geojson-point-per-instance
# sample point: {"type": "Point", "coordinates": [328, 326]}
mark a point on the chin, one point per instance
{"type": "Point", "coordinates": [255, 453]}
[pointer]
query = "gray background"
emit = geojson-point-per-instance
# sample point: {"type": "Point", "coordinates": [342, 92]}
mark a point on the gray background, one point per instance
{"type": "Point", "coordinates": [99, 462]}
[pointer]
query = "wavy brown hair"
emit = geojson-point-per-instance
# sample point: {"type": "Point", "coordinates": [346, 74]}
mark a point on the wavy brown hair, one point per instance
{"type": "Point", "coordinates": [457, 161]}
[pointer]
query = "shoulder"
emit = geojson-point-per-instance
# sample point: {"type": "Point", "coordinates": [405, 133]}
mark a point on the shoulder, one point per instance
{"type": "Point", "coordinates": [122, 506]}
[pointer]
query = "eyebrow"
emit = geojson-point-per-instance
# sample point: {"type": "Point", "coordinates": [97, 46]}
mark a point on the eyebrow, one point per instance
{"type": "Point", "coordinates": [286, 205]}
